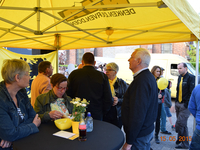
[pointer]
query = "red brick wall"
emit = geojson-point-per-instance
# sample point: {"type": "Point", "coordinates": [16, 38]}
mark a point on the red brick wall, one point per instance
{"type": "Point", "coordinates": [177, 48]}
{"type": "Point", "coordinates": [86, 50]}
{"type": "Point", "coordinates": [180, 49]}
{"type": "Point", "coordinates": [99, 52]}
{"type": "Point", "coordinates": [144, 46]}
{"type": "Point", "coordinates": [148, 47]}
{"type": "Point", "coordinates": [72, 56]}
{"type": "Point", "coordinates": [156, 48]}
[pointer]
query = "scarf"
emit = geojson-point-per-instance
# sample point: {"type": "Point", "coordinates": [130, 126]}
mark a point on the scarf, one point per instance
{"type": "Point", "coordinates": [112, 82]}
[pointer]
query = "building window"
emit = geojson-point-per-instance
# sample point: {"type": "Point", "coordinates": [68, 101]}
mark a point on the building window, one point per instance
{"type": "Point", "coordinates": [79, 55]}
{"type": "Point", "coordinates": [149, 47]}
{"type": "Point", "coordinates": [174, 70]}
{"type": "Point", "coordinates": [167, 48]}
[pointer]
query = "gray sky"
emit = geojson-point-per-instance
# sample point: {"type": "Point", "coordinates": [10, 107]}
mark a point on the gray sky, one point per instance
{"type": "Point", "coordinates": [195, 4]}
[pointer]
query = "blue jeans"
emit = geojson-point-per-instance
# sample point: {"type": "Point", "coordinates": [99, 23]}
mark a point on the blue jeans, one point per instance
{"type": "Point", "coordinates": [167, 111]}
{"type": "Point", "coordinates": [195, 144]}
{"type": "Point", "coordinates": [142, 143]}
{"type": "Point", "coordinates": [163, 119]}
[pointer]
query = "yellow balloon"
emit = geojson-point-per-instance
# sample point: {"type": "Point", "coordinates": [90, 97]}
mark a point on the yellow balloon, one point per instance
{"type": "Point", "coordinates": [162, 83]}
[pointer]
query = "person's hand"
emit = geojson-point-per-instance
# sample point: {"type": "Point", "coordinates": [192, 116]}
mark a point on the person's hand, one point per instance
{"type": "Point", "coordinates": [55, 114]}
{"type": "Point", "coordinates": [126, 147]}
{"type": "Point", "coordinates": [5, 144]}
{"type": "Point", "coordinates": [115, 100]}
{"type": "Point", "coordinates": [159, 96]}
{"type": "Point", "coordinates": [37, 120]}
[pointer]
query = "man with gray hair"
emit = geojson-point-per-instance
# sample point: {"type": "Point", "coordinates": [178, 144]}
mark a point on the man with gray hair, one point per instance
{"type": "Point", "coordinates": [140, 104]}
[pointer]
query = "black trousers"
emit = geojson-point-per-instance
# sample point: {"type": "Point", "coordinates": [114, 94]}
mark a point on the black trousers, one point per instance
{"type": "Point", "coordinates": [157, 127]}
{"type": "Point", "coordinates": [112, 117]}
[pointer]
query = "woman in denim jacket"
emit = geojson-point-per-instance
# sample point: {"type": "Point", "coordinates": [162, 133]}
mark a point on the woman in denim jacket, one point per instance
{"type": "Point", "coordinates": [17, 117]}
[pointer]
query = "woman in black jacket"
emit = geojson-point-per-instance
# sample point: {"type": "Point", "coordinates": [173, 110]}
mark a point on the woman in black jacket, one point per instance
{"type": "Point", "coordinates": [118, 88]}
{"type": "Point", "coordinates": [156, 71]}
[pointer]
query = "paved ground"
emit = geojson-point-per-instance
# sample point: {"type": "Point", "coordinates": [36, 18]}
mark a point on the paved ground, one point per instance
{"type": "Point", "coordinates": [169, 144]}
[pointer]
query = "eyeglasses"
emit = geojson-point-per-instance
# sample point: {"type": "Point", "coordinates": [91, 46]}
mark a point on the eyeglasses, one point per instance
{"type": "Point", "coordinates": [61, 88]}
{"type": "Point", "coordinates": [109, 70]}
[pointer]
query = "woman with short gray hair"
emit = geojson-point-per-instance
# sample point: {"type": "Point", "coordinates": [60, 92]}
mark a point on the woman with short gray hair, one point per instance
{"type": "Point", "coordinates": [17, 117]}
{"type": "Point", "coordinates": [118, 88]}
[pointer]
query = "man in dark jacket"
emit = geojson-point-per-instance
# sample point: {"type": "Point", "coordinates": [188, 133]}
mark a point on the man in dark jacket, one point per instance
{"type": "Point", "coordinates": [92, 85]}
{"type": "Point", "coordinates": [185, 85]}
{"type": "Point", "coordinates": [140, 104]}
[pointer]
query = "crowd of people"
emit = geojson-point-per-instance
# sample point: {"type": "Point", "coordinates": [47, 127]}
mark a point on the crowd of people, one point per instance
{"type": "Point", "coordinates": [137, 107]}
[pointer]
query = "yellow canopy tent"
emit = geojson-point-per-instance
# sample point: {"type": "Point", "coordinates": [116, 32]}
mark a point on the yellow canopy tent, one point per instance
{"type": "Point", "coordinates": [75, 24]}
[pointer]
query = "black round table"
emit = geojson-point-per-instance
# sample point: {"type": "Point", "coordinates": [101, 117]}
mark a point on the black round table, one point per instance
{"type": "Point", "coordinates": [104, 136]}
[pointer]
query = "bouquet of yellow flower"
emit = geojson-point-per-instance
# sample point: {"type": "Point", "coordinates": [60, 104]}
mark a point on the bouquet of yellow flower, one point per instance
{"type": "Point", "coordinates": [78, 108]}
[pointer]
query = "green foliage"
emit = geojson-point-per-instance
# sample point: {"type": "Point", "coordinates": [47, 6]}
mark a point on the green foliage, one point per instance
{"type": "Point", "coordinates": [63, 65]}
{"type": "Point", "coordinates": [77, 111]}
{"type": "Point", "coordinates": [67, 65]}
{"type": "Point", "coordinates": [79, 107]}
{"type": "Point", "coordinates": [194, 64]}
{"type": "Point", "coordinates": [192, 53]}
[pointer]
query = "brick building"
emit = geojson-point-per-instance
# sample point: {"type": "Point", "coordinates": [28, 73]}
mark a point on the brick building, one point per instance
{"type": "Point", "coordinates": [171, 48]}
{"type": "Point", "coordinates": [74, 56]}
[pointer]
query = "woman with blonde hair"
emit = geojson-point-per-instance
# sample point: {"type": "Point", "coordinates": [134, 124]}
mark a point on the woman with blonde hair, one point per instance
{"type": "Point", "coordinates": [17, 117]}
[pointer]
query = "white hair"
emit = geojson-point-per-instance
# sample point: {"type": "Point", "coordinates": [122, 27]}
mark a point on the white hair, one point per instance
{"type": "Point", "coordinates": [144, 55]}
{"type": "Point", "coordinates": [113, 65]}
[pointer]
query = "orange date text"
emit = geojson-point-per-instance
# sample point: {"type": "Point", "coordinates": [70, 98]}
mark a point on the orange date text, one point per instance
{"type": "Point", "coordinates": [173, 138]}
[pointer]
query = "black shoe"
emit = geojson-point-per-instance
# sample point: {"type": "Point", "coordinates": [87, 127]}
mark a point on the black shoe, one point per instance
{"type": "Point", "coordinates": [166, 132]}
{"type": "Point", "coordinates": [178, 142]}
{"type": "Point", "coordinates": [180, 147]}
{"type": "Point", "coordinates": [157, 140]}
{"type": "Point", "coordinates": [151, 148]}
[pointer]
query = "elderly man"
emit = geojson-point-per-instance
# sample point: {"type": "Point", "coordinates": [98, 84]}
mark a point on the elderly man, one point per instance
{"type": "Point", "coordinates": [140, 104]}
{"type": "Point", "coordinates": [41, 84]}
{"type": "Point", "coordinates": [92, 85]}
{"type": "Point", "coordinates": [185, 85]}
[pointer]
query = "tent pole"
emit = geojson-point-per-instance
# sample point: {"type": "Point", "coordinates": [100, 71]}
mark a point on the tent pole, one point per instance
{"type": "Point", "coordinates": [69, 16]}
{"type": "Point", "coordinates": [38, 15]}
{"type": "Point", "coordinates": [57, 63]}
{"type": "Point", "coordinates": [197, 61]}
{"type": "Point", "coordinates": [152, 4]}
{"type": "Point", "coordinates": [18, 23]}
{"type": "Point", "coordinates": [197, 73]}
{"type": "Point", "coordinates": [78, 29]}
{"type": "Point", "coordinates": [15, 24]}
{"type": "Point", "coordinates": [57, 48]}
